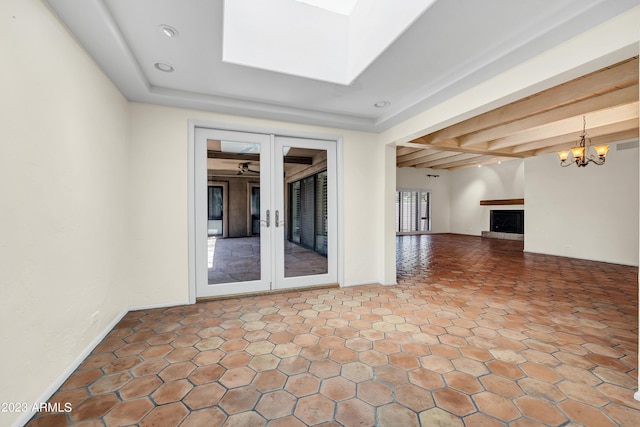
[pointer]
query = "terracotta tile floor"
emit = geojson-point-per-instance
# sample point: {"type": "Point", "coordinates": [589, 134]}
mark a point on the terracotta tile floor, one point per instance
{"type": "Point", "coordinates": [476, 333]}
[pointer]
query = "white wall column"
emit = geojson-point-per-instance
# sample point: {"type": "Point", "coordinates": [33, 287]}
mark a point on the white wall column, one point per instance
{"type": "Point", "coordinates": [389, 215]}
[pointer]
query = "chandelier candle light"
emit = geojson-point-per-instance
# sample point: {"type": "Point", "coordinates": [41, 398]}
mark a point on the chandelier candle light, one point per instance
{"type": "Point", "coordinates": [580, 153]}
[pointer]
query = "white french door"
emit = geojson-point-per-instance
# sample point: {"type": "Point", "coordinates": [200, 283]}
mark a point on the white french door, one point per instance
{"type": "Point", "coordinates": [308, 190]}
{"type": "Point", "coordinates": [280, 214]}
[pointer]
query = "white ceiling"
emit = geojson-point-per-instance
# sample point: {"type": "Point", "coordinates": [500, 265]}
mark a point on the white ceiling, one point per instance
{"type": "Point", "coordinates": [451, 47]}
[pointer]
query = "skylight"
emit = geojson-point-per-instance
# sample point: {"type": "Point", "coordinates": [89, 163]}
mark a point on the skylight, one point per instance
{"type": "Point", "coordinates": [343, 7]}
{"type": "Point", "coordinates": [327, 40]}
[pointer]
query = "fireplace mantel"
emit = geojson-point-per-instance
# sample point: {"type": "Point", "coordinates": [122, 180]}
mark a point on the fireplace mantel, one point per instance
{"type": "Point", "coordinates": [503, 202]}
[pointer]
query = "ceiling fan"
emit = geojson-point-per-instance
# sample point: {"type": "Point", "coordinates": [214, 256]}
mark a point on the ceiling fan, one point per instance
{"type": "Point", "coordinates": [244, 167]}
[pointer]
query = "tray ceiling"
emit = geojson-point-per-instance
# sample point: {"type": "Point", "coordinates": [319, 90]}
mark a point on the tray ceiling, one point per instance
{"type": "Point", "coordinates": [452, 46]}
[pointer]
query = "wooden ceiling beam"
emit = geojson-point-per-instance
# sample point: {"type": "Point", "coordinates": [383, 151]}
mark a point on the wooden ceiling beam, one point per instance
{"type": "Point", "coordinates": [571, 139]}
{"type": "Point", "coordinates": [450, 159]}
{"type": "Point", "coordinates": [401, 150]}
{"type": "Point", "coordinates": [416, 154]}
{"type": "Point", "coordinates": [617, 76]}
{"type": "Point", "coordinates": [426, 159]}
{"type": "Point", "coordinates": [565, 126]}
{"type": "Point", "coordinates": [609, 138]}
{"type": "Point", "coordinates": [453, 146]}
{"type": "Point", "coordinates": [617, 97]}
{"type": "Point", "coordinates": [212, 154]}
{"type": "Point", "coordinates": [445, 143]}
{"type": "Point", "coordinates": [481, 160]}
{"type": "Point", "coordinates": [484, 160]}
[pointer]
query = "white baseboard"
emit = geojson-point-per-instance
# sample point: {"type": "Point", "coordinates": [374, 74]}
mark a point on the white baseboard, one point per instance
{"type": "Point", "coordinates": [55, 385]}
{"type": "Point", "coordinates": [370, 282]}
{"type": "Point", "coordinates": [161, 305]}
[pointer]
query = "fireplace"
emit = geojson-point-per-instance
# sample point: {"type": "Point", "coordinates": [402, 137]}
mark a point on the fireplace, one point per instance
{"type": "Point", "coordinates": [507, 221]}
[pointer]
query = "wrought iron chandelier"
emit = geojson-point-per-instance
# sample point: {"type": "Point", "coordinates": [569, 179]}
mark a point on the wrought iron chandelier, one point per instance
{"type": "Point", "coordinates": [581, 156]}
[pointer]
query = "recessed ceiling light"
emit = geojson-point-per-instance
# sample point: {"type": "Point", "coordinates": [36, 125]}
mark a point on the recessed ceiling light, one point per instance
{"type": "Point", "coordinates": [164, 67]}
{"type": "Point", "coordinates": [168, 31]}
{"type": "Point", "coordinates": [382, 104]}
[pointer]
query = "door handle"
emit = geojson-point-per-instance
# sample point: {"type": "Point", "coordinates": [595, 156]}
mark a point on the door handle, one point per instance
{"type": "Point", "coordinates": [278, 223]}
{"type": "Point", "coordinates": [267, 222]}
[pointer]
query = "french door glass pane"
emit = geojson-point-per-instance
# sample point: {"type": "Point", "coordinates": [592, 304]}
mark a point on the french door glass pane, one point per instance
{"type": "Point", "coordinates": [306, 224]}
{"type": "Point", "coordinates": [235, 255]}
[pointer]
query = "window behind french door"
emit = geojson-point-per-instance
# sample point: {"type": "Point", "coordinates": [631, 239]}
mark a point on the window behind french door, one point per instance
{"type": "Point", "coordinates": [413, 211]}
{"type": "Point", "coordinates": [266, 212]}
{"type": "Point", "coordinates": [215, 210]}
{"type": "Point", "coordinates": [308, 212]}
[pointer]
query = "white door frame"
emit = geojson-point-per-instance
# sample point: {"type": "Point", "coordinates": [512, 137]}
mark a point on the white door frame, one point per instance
{"type": "Point", "coordinates": [192, 179]}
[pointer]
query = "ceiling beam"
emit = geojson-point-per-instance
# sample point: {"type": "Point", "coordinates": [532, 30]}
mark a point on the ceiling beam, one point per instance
{"type": "Point", "coordinates": [609, 138]}
{"type": "Point", "coordinates": [617, 76]}
{"type": "Point", "coordinates": [565, 126]}
{"type": "Point", "coordinates": [483, 161]}
{"type": "Point", "coordinates": [571, 139]}
{"type": "Point", "coordinates": [212, 154]}
{"type": "Point", "coordinates": [416, 155]}
{"type": "Point", "coordinates": [450, 159]}
{"type": "Point", "coordinates": [453, 146]}
{"type": "Point", "coordinates": [423, 160]}
{"type": "Point", "coordinates": [598, 102]}
{"type": "Point", "coordinates": [401, 150]}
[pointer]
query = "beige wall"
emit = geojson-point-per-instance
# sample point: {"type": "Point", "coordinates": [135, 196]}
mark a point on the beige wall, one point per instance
{"type": "Point", "coordinates": [159, 199]}
{"type": "Point", "coordinates": [490, 182]}
{"type": "Point", "coordinates": [587, 213]}
{"type": "Point", "coordinates": [64, 160]}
